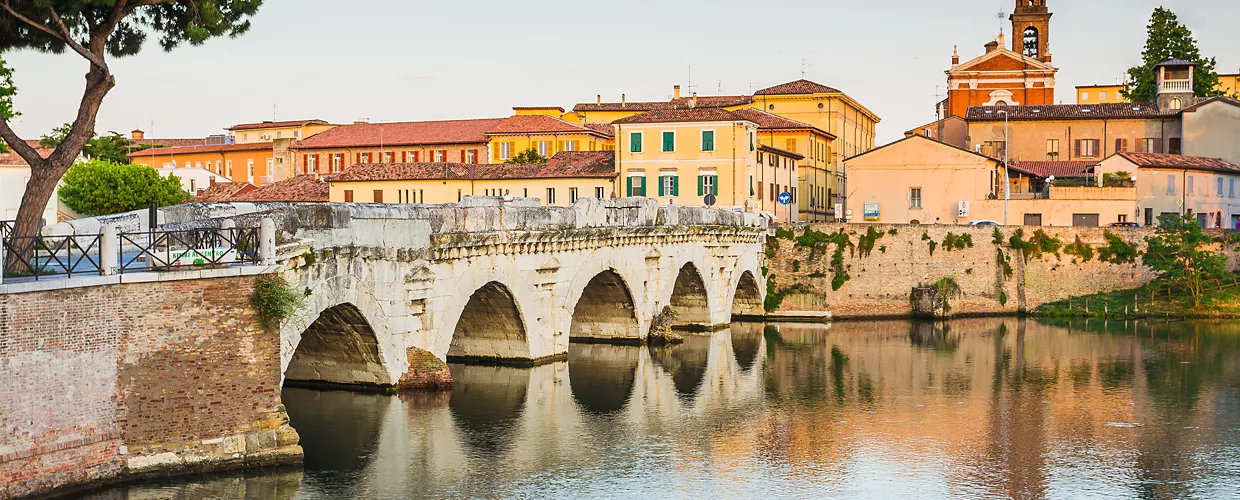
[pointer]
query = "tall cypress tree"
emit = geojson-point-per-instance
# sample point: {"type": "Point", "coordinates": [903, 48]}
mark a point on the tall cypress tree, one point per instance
{"type": "Point", "coordinates": [1168, 39]}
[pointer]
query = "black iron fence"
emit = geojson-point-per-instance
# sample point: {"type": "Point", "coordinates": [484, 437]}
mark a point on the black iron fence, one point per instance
{"type": "Point", "coordinates": [6, 228]}
{"type": "Point", "coordinates": [44, 256]}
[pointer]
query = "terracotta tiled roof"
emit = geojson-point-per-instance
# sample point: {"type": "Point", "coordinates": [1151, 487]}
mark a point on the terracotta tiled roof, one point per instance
{"type": "Point", "coordinates": [719, 101]}
{"type": "Point", "coordinates": [606, 129]}
{"type": "Point", "coordinates": [768, 121]}
{"type": "Point", "coordinates": [302, 188]}
{"type": "Point", "coordinates": [681, 115]}
{"type": "Point", "coordinates": [1065, 112]}
{"type": "Point", "coordinates": [273, 124]}
{"type": "Point", "coordinates": [402, 134]}
{"type": "Point", "coordinates": [1175, 62]}
{"type": "Point", "coordinates": [537, 108]}
{"type": "Point", "coordinates": [222, 191]}
{"type": "Point", "coordinates": [220, 148]}
{"type": "Point", "coordinates": [169, 143]}
{"type": "Point", "coordinates": [565, 164]}
{"type": "Point", "coordinates": [1059, 169]}
{"type": "Point", "coordinates": [1164, 160]}
{"type": "Point", "coordinates": [535, 124]}
{"type": "Point", "coordinates": [781, 152]}
{"type": "Point", "coordinates": [797, 87]}
{"type": "Point", "coordinates": [12, 159]}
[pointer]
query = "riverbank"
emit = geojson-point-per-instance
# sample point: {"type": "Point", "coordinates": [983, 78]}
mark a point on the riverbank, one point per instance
{"type": "Point", "coordinates": [1149, 301]}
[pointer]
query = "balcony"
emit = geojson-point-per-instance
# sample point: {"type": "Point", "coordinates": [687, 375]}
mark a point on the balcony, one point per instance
{"type": "Point", "coordinates": [1176, 86]}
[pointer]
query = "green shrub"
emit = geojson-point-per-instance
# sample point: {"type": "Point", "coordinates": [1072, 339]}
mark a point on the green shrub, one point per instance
{"type": "Point", "coordinates": [275, 299]}
{"type": "Point", "coordinates": [865, 243]}
{"type": "Point", "coordinates": [796, 266]}
{"type": "Point", "coordinates": [1079, 250]}
{"type": "Point", "coordinates": [957, 241]}
{"type": "Point", "coordinates": [784, 234]}
{"type": "Point", "coordinates": [1118, 251]}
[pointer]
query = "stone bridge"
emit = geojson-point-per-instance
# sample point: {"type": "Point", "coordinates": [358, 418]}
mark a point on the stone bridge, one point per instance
{"type": "Point", "coordinates": [393, 291]}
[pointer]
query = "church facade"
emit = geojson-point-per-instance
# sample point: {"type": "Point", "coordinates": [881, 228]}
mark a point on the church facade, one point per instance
{"type": "Point", "coordinates": [1018, 76]}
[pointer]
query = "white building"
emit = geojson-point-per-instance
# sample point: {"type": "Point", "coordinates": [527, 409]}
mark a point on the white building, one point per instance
{"type": "Point", "coordinates": [14, 174]}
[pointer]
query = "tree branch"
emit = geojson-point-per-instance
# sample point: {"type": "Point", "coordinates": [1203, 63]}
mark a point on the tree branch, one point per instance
{"type": "Point", "coordinates": [9, 8]}
{"type": "Point", "coordinates": [18, 144]}
{"type": "Point", "coordinates": [96, 59]}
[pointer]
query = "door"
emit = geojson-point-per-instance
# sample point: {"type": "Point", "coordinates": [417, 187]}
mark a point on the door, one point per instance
{"type": "Point", "coordinates": [1033, 219]}
{"type": "Point", "coordinates": [1201, 220]}
{"type": "Point", "coordinates": [1149, 217]}
{"type": "Point", "coordinates": [1085, 220]}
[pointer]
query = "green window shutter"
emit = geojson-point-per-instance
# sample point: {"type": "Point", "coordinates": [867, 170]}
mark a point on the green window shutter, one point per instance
{"type": "Point", "coordinates": [701, 189]}
{"type": "Point", "coordinates": [751, 185]}
{"type": "Point", "coordinates": [643, 186]}
{"type": "Point", "coordinates": [669, 141]}
{"type": "Point", "coordinates": [676, 185]}
{"type": "Point", "coordinates": [628, 186]}
{"type": "Point", "coordinates": [714, 185]}
{"type": "Point", "coordinates": [635, 142]}
{"type": "Point", "coordinates": [661, 188]}
{"type": "Point", "coordinates": [708, 140]}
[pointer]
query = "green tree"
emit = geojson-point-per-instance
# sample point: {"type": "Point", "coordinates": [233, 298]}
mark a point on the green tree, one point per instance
{"type": "Point", "coordinates": [52, 139]}
{"type": "Point", "coordinates": [1180, 252]}
{"type": "Point", "coordinates": [7, 91]}
{"type": "Point", "coordinates": [112, 147]}
{"type": "Point", "coordinates": [99, 187]}
{"type": "Point", "coordinates": [528, 156]}
{"type": "Point", "coordinates": [1168, 39]}
{"type": "Point", "coordinates": [96, 30]}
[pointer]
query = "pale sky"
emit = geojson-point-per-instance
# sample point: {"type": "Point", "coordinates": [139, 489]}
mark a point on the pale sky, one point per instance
{"type": "Point", "coordinates": [389, 60]}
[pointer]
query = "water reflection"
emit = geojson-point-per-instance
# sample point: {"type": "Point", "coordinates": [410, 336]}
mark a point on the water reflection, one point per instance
{"type": "Point", "coordinates": [974, 408]}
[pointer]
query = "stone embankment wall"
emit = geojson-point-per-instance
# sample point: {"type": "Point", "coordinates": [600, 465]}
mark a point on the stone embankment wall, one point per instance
{"type": "Point", "coordinates": [113, 382]}
{"type": "Point", "coordinates": [900, 259]}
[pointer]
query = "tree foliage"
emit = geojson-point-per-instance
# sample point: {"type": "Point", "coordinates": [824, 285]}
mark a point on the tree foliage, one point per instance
{"type": "Point", "coordinates": [7, 91]}
{"type": "Point", "coordinates": [96, 30]}
{"type": "Point", "coordinates": [100, 187]}
{"type": "Point", "coordinates": [1180, 252]}
{"type": "Point", "coordinates": [528, 156]}
{"type": "Point", "coordinates": [113, 147]}
{"type": "Point", "coordinates": [1168, 39]}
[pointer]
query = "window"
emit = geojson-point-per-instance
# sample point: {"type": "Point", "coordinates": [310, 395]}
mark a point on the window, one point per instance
{"type": "Point", "coordinates": [337, 159]}
{"type": "Point", "coordinates": [598, 193]}
{"type": "Point", "coordinates": [271, 166]}
{"type": "Point", "coordinates": [249, 168]}
{"type": "Point", "coordinates": [1084, 96]}
{"type": "Point", "coordinates": [348, 196]}
{"type": "Point", "coordinates": [441, 155]}
{"type": "Point", "coordinates": [1121, 145]}
{"type": "Point", "coordinates": [751, 134]}
{"type": "Point", "coordinates": [542, 148]}
{"type": "Point", "coordinates": [297, 134]}
{"type": "Point", "coordinates": [1170, 184]}
{"type": "Point", "coordinates": [363, 158]}
{"type": "Point", "coordinates": [387, 157]}
{"type": "Point", "coordinates": [708, 140]}
{"type": "Point", "coordinates": [914, 198]}
{"type": "Point", "coordinates": [378, 196]}
{"type": "Point", "coordinates": [1087, 148]}
{"type": "Point", "coordinates": [1151, 146]}
{"type": "Point", "coordinates": [1176, 104]}
{"type": "Point", "coordinates": [636, 185]}
{"type": "Point", "coordinates": [505, 150]}
{"type": "Point", "coordinates": [669, 184]}
{"type": "Point", "coordinates": [708, 184]}
{"type": "Point", "coordinates": [1189, 188]}
{"type": "Point", "coordinates": [228, 169]}
{"type": "Point", "coordinates": [1231, 188]}
{"type": "Point", "coordinates": [635, 142]}
{"type": "Point", "coordinates": [550, 196]}
{"type": "Point", "coordinates": [1174, 146]}
{"type": "Point", "coordinates": [669, 142]}
{"type": "Point", "coordinates": [572, 195]}
{"type": "Point", "coordinates": [199, 164]}
{"type": "Point", "coordinates": [471, 157]}
{"type": "Point", "coordinates": [245, 137]}
{"type": "Point", "coordinates": [1220, 186]}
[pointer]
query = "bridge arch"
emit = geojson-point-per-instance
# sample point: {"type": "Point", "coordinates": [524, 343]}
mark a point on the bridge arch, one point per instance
{"type": "Point", "coordinates": [490, 328]}
{"type": "Point", "coordinates": [690, 297]}
{"type": "Point", "coordinates": [339, 347]}
{"type": "Point", "coordinates": [747, 297]}
{"type": "Point", "coordinates": [605, 309]}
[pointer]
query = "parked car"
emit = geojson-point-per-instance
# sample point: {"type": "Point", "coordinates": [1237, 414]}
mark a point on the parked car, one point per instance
{"type": "Point", "coordinates": [1125, 224]}
{"type": "Point", "coordinates": [984, 223]}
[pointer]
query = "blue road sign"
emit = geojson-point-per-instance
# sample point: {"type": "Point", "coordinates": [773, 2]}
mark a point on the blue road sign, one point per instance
{"type": "Point", "coordinates": [785, 198]}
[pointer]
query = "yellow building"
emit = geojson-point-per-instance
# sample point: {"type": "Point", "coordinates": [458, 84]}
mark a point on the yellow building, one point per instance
{"type": "Point", "coordinates": [813, 149]}
{"type": "Point", "coordinates": [918, 180]}
{"type": "Point", "coordinates": [566, 177]}
{"type": "Point", "coordinates": [1229, 85]}
{"type": "Point", "coordinates": [267, 131]}
{"type": "Point", "coordinates": [544, 133]}
{"type": "Point", "coordinates": [682, 155]}
{"type": "Point", "coordinates": [826, 108]}
{"type": "Point", "coordinates": [1099, 94]}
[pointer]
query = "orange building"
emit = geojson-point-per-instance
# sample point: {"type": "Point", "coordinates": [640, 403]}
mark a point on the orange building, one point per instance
{"type": "Point", "coordinates": [258, 163]}
{"type": "Point", "coordinates": [1020, 76]}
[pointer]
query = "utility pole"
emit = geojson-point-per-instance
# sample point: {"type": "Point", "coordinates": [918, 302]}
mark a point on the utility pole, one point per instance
{"type": "Point", "coordinates": [1007, 183]}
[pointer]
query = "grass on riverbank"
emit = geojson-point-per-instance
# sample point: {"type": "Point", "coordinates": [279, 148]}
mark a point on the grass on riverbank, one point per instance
{"type": "Point", "coordinates": [1150, 301]}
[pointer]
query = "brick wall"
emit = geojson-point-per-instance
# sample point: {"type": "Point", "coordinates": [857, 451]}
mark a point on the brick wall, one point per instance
{"type": "Point", "coordinates": [880, 283]}
{"type": "Point", "coordinates": [98, 380]}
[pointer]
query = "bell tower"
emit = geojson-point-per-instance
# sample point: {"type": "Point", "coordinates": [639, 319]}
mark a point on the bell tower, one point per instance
{"type": "Point", "coordinates": [1031, 29]}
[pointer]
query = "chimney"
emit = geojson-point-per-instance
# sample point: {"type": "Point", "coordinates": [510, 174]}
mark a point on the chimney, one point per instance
{"type": "Point", "coordinates": [600, 99]}
{"type": "Point", "coordinates": [623, 101]}
{"type": "Point", "coordinates": [1001, 39]}
{"type": "Point", "coordinates": [137, 135]}
{"type": "Point", "coordinates": [212, 180]}
{"type": "Point", "coordinates": [955, 55]}
{"type": "Point", "coordinates": [675, 91]}
{"type": "Point", "coordinates": [992, 46]}
{"type": "Point", "coordinates": [693, 101]}
{"type": "Point", "coordinates": [1047, 58]}
{"type": "Point", "coordinates": [361, 122]}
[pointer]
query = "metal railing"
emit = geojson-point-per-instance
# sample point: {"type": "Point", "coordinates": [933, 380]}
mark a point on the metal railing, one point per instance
{"type": "Point", "coordinates": [42, 256]}
{"type": "Point", "coordinates": [110, 252]}
{"type": "Point", "coordinates": [195, 248]}
{"type": "Point", "coordinates": [6, 228]}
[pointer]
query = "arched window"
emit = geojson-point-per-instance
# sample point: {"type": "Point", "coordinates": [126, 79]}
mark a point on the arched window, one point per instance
{"type": "Point", "coordinates": [1031, 42]}
{"type": "Point", "coordinates": [1176, 105]}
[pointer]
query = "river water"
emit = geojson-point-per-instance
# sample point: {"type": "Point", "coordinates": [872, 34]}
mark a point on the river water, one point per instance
{"type": "Point", "coordinates": [970, 409]}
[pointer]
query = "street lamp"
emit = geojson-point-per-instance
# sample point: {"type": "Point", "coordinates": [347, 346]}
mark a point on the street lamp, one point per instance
{"type": "Point", "coordinates": [1007, 182]}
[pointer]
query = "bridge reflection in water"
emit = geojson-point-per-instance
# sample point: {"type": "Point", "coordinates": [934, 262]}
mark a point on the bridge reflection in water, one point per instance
{"type": "Point", "coordinates": [975, 408]}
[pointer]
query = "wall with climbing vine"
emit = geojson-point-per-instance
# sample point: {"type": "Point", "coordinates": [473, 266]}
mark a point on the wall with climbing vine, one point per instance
{"type": "Point", "coordinates": [867, 271]}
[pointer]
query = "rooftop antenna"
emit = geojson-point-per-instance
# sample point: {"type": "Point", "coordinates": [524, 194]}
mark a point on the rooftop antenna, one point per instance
{"type": "Point", "coordinates": [719, 90]}
{"type": "Point", "coordinates": [273, 111]}
{"type": "Point", "coordinates": [802, 68]}
{"type": "Point", "coordinates": [1001, 16]}
{"type": "Point", "coordinates": [691, 85]}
